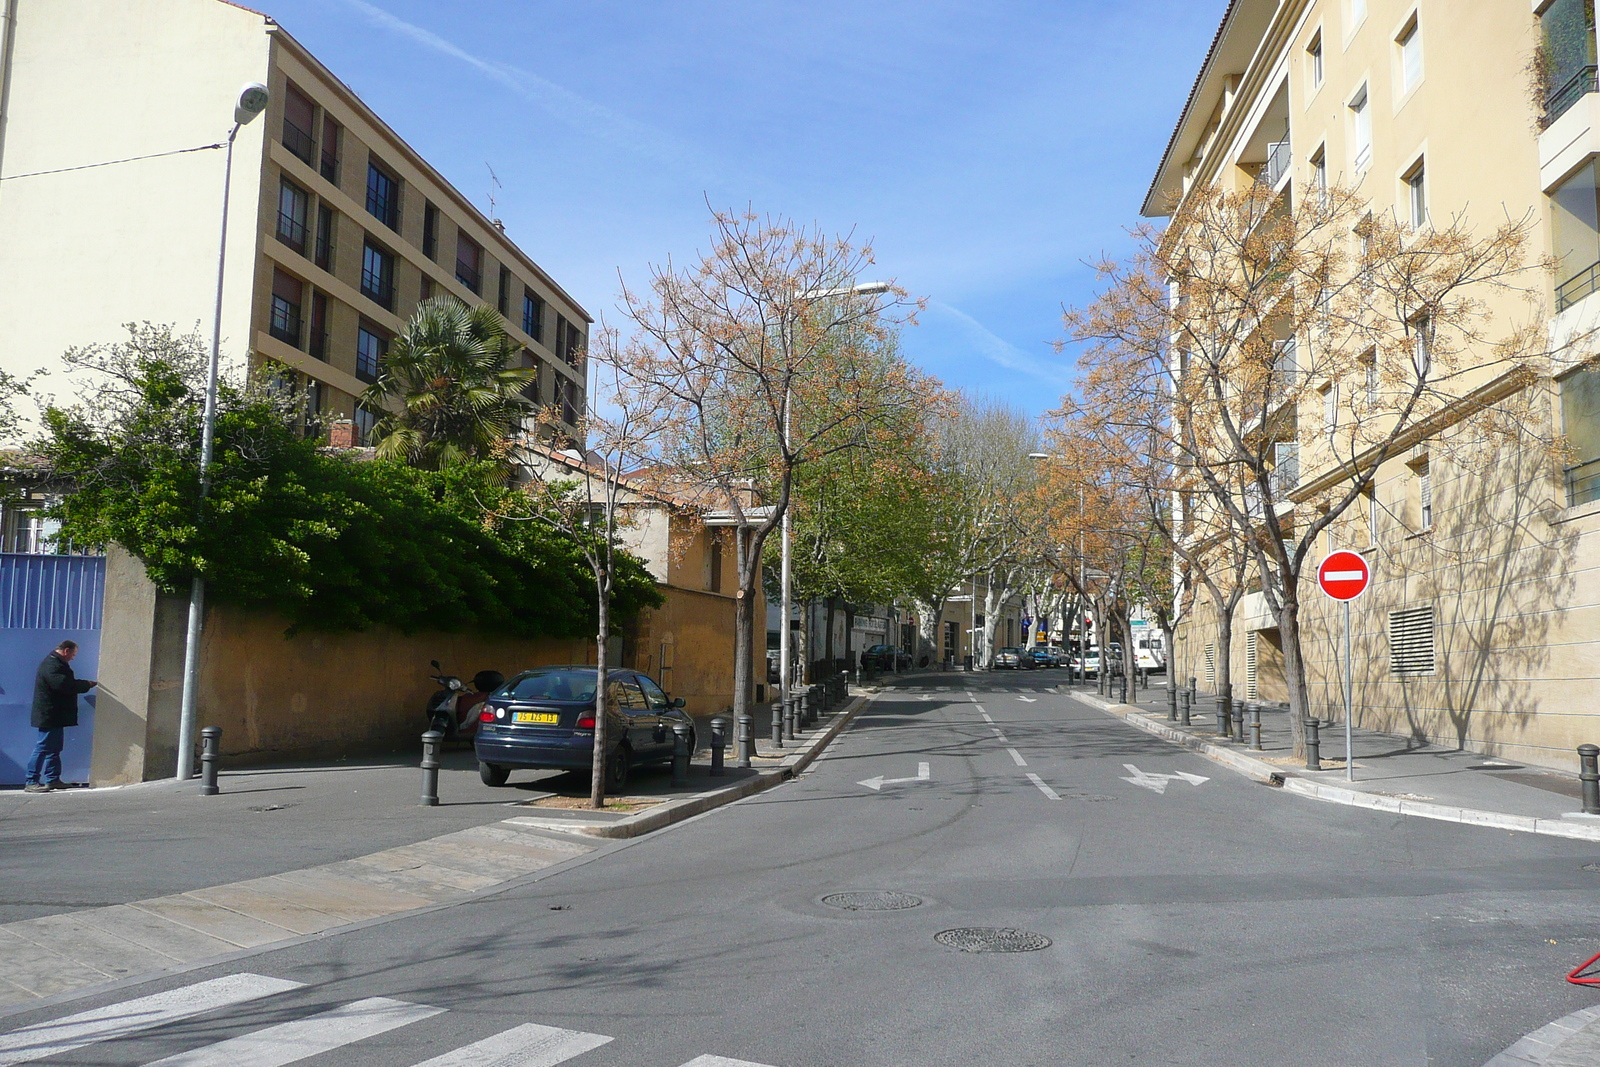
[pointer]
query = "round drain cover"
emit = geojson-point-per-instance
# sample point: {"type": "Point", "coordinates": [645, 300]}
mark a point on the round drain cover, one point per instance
{"type": "Point", "coordinates": [992, 939]}
{"type": "Point", "coordinates": [878, 900]}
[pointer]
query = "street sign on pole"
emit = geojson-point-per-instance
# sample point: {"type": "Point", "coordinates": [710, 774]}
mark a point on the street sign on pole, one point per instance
{"type": "Point", "coordinates": [1343, 576]}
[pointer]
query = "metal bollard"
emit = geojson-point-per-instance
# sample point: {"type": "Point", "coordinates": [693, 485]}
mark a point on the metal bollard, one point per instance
{"type": "Point", "coordinates": [805, 707]}
{"type": "Point", "coordinates": [1122, 687]}
{"type": "Point", "coordinates": [1172, 703]}
{"type": "Point", "coordinates": [430, 768]}
{"type": "Point", "coordinates": [680, 754]}
{"type": "Point", "coordinates": [747, 739]}
{"type": "Point", "coordinates": [719, 741]}
{"type": "Point", "coordinates": [210, 743]}
{"type": "Point", "coordinates": [1589, 761]}
{"type": "Point", "coordinates": [1183, 706]}
{"type": "Point", "coordinates": [1224, 718]}
{"type": "Point", "coordinates": [788, 717]}
{"type": "Point", "coordinates": [777, 725]}
{"type": "Point", "coordinates": [1238, 723]}
{"type": "Point", "coordinates": [1313, 746]}
{"type": "Point", "coordinates": [1194, 688]}
{"type": "Point", "coordinates": [1255, 727]}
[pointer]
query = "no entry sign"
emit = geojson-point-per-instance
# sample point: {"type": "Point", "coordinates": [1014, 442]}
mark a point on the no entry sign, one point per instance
{"type": "Point", "coordinates": [1344, 575]}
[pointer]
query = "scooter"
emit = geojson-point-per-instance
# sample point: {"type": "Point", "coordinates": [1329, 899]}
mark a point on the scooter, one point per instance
{"type": "Point", "coordinates": [453, 711]}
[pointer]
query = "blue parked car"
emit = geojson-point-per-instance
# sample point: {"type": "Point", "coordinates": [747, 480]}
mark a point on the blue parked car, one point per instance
{"type": "Point", "coordinates": [543, 719]}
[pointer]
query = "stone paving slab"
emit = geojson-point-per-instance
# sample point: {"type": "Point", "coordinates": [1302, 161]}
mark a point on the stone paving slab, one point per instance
{"type": "Point", "coordinates": [242, 931]}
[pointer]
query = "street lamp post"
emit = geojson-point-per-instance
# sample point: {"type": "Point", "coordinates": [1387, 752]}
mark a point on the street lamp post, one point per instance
{"type": "Point", "coordinates": [252, 102]}
{"type": "Point", "coordinates": [785, 641]}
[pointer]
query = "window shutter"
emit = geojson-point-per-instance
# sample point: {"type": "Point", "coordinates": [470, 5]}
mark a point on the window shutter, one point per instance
{"type": "Point", "coordinates": [1250, 690]}
{"type": "Point", "coordinates": [1211, 667]}
{"type": "Point", "coordinates": [1411, 642]}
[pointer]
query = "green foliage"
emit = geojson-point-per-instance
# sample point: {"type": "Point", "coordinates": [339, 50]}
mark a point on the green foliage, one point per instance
{"type": "Point", "coordinates": [457, 400]}
{"type": "Point", "coordinates": [330, 542]}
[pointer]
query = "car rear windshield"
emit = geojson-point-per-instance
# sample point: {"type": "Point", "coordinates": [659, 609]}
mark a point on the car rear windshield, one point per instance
{"type": "Point", "coordinates": [553, 684]}
{"type": "Point", "coordinates": [1012, 651]}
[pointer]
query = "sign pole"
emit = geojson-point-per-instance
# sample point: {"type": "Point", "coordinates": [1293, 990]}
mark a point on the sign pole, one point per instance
{"type": "Point", "coordinates": [1349, 697]}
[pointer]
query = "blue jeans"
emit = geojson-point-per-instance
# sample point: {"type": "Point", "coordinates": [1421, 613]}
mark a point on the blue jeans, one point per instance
{"type": "Point", "coordinates": [45, 764]}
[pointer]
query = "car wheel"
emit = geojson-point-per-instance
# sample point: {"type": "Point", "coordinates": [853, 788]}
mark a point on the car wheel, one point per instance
{"type": "Point", "coordinates": [617, 768]}
{"type": "Point", "coordinates": [493, 774]}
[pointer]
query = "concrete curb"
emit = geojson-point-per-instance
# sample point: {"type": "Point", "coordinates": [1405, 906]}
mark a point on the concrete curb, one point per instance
{"type": "Point", "coordinates": [1535, 1049]}
{"type": "Point", "coordinates": [675, 811]}
{"type": "Point", "coordinates": [1262, 771]}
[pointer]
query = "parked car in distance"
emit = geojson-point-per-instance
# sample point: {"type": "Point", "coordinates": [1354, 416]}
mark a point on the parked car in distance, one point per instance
{"type": "Point", "coordinates": [1043, 656]}
{"type": "Point", "coordinates": [1089, 665]}
{"type": "Point", "coordinates": [885, 658]}
{"type": "Point", "coordinates": [1012, 658]}
{"type": "Point", "coordinates": [544, 718]}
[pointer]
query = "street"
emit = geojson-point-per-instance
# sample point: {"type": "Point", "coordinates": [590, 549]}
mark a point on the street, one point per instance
{"type": "Point", "coordinates": [1192, 917]}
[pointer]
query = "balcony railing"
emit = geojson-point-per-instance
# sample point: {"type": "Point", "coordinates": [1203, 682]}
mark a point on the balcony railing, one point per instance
{"type": "Point", "coordinates": [1276, 166]}
{"type": "Point", "coordinates": [1578, 286]}
{"type": "Point", "coordinates": [319, 345]}
{"type": "Point", "coordinates": [298, 141]}
{"type": "Point", "coordinates": [292, 232]}
{"type": "Point", "coordinates": [1561, 99]}
{"type": "Point", "coordinates": [1583, 483]}
{"type": "Point", "coordinates": [330, 168]}
{"type": "Point", "coordinates": [285, 323]}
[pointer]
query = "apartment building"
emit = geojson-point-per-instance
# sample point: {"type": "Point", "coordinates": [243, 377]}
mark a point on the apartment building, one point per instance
{"type": "Point", "coordinates": [111, 208]}
{"type": "Point", "coordinates": [1482, 628]}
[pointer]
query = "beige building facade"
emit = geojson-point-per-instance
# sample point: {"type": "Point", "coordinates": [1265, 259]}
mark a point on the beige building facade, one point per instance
{"type": "Point", "coordinates": [1482, 628]}
{"type": "Point", "coordinates": [111, 206]}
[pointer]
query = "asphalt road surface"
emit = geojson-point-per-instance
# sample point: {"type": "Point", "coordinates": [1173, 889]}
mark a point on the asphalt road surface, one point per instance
{"type": "Point", "coordinates": [1192, 917]}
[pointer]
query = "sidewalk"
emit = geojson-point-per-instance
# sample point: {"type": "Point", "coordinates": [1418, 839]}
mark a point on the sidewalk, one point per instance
{"type": "Point", "coordinates": [1396, 774]}
{"type": "Point", "coordinates": [104, 885]}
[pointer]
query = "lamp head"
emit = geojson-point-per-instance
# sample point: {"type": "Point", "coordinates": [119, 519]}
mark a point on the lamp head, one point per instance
{"type": "Point", "coordinates": [1039, 455]}
{"type": "Point", "coordinates": [252, 102]}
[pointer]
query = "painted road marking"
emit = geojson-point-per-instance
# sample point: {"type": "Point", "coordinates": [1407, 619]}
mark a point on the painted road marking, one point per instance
{"type": "Point", "coordinates": [1016, 757]}
{"type": "Point", "coordinates": [1027, 700]}
{"type": "Point", "coordinates": [528, 1045]}
{"type": "Point", "coordinates": [311, 1036]}
{"type": "Point", "coordinates": [133, 1016]}
{"type": "Point", "coordinates": [1157, 783]}
{"type": "Point", "coordinates": [985, 715]}
{"type": "Point", "coordinates": [1046, 790]}
{"type": "Point", "coordinates": [877, 782]}
{"type": "Point", "coordinates": [720, 1061]}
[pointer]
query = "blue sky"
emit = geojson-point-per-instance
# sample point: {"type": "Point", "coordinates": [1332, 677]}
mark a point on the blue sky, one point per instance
{"type": "Point", "coordinates": [988, 150]}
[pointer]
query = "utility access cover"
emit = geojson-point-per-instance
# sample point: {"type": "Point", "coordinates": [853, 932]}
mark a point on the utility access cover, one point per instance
{"type": "Point", "coordinates": [992, 939]}
{"type": "Point", "coordinates": [877, 900]}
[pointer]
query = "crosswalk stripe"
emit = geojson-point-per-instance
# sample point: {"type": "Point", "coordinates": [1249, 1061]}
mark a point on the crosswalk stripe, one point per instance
{"type": "Point", "coordinates": [133, 1016]}
{"type": "Point", "coordinates": [528, 1045]}
{"type": "Point", "coordinates": [291, 1041]}
{"type": "Point", "coordinates": [720, 1061]}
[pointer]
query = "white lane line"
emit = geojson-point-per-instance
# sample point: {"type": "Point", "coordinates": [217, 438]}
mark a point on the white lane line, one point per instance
{"type": "Point", "coordinates": [133, 1016]}
{"type": "Point", "coordinates": [528, 1045]}
{"type": "Point", "coordinates": [985, 715]}
{"type": "Point", "coordinates": [311, 1036]}
{"type": "Point", "coordinates": [1017, 757]}
{"type": "Point", "coordinates": [1046, 790]}
{"type": "Point", "coordinates": [720, 1061]}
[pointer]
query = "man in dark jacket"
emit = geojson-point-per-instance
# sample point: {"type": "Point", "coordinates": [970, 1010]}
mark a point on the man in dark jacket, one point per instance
{"type": "Point", "coordinates": [55, 707]}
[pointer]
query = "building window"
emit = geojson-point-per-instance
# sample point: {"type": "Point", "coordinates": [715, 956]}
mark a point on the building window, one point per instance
{"type": "Point", "coordinates": [383, 196]}
{"type": "Point", "coordinates": [319, 326]}
{"type": "Point", "coordinates": [1417, 195]}
{"type": "Point", "coordinates": [377, 275]}
{"type": "Point", "coordinates": [1422, 347]}
{"type": "Point", "coordinates": [1410, 45]}
{"type": "Point", "coordinates": [1314, 59]}
{"type": "Point", "coordinates": [365, 422]}
{"type": "Point", "coordinates": [430, 231]}
{"type": "Point", "coordinates": [1369, 362]}
{"type": "Point", "coordinates": [1319, 172]}
{"type": "Point", "coordinates": [714, 561]}
{"type": "Point", "coordinates": [1580, 424]}
{"type": "Point", "coordinates": [324, 249]}
{"type": "Point", "coordinates": [569, 341]}
{"type": "Point", "coordinates": [292, 205]}
{"type": "Point", "coordinates": [1567, 29]}
{"type": "Point", "coordinates": [314, 405]}
{"type": "Point", "coordinates": [331, 139]}
{"type": "Point", "coordinates": [1357, 10]}
{"type": "Point", "coordinates": [427, 288]}
{"type": "Point", "coordinates": [469, 263]}
{"type": "Point", "coordinates": [1411, 644]}
{"type": "Point", "coordinates": [1361, 129]}
{"type": "Point", "coordinates": [1425, 495]}
{"type": "Point", "coordinates": [1286, 467]}
{"type": "Point", "coordinates": [531, 392]}
{"type": "Point", "coordinates": [371, 346]}
{"type": "Point", "coordinates": [1372, 515]}
{"type": "Point", "coordinates": [284, 324]}
{"type": "Point", "coordinates": [1330, 407]}
{"type": "Point", "coordinates": [503, 298]}
{"type": "Point", "coordinates": [1575, 212]}
{"type": "Point", "coordinates": [532, 315]}
{"type": "Point", "coordinates": [299, 115]}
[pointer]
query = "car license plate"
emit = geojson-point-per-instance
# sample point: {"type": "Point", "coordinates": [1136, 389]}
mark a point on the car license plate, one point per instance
{"type": "Point", "coordinates": [549, 718]}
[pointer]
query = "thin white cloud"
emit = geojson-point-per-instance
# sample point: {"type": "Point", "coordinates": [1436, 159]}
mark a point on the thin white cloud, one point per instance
{"type": "Point", "coordinates": [998, 350]}
{"type": "Point", "coordinates": [564, 105]}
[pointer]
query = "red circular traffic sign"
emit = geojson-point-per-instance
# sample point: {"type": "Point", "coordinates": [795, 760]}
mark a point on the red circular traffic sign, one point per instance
{"type": "Point", "coordinates": [1344, 575]}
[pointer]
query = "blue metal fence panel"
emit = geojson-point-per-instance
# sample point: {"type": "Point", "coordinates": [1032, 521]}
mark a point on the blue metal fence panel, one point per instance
{"type": "Point", "coordinates": [44, 599]}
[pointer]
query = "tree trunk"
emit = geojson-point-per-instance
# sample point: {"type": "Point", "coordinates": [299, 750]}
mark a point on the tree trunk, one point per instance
{"type": "Point", "coordinates": [1224, 652]}
{"type": "Point", "coordinates": [928, 631]}
{"type": "Point", "coordinates": [602, 641]}
{"type": "Point", "coordinates": [1130, 656]}
{"type": "Point", "coordinates": [827, 638]}
{"type": "Point", "coordinates": [1172, 672]}
{"type": "Point", "coordinates": [1294, 668]}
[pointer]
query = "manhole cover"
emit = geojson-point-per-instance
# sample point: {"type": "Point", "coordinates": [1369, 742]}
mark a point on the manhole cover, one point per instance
{"type": "Point", "coordinates": [992, 939]}
{"type": "Point", "coordinates": [881, 900]}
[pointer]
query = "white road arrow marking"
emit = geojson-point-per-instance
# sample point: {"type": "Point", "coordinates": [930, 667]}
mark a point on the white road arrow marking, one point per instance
{"type": "Point", "coordinates": [1157, 783]}
{"type": "Point", "coordinates": [878, 782]}
{"type": "Point", "coordinates": [1027, 700]}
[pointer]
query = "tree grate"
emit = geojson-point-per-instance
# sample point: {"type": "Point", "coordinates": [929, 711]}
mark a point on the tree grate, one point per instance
{"type": "Point", "coordinates": [877, 900]}
{"type": "Point", "coordinates": [992, 939]}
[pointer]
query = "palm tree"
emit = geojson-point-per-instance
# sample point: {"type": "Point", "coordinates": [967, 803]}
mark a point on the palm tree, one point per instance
{"type": "Point", "coordinates": [444, 393]}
